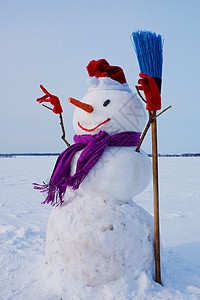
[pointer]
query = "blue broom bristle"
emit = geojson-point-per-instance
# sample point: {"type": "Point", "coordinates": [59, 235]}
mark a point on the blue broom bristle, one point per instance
{"type": "Point", "coordinates": [149, 50]}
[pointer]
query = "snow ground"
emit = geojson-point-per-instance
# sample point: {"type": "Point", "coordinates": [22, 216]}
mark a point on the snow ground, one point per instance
{"type": "Point", "coordinates": [23, 224]}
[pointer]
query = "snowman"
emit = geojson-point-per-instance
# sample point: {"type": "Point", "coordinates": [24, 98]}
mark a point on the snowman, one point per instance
{"type": "Point", "coordinates": [96, 234]}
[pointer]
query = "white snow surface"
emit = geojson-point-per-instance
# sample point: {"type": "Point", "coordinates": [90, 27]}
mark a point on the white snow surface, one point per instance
{"type": "Point", "coordinates": [23, 225]}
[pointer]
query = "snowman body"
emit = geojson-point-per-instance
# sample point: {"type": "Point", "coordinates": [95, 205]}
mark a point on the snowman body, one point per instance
{"type": "Point", "coordinates": [92, 242]}
{"type": "Point", "coordinates": [99, 234]}
{"type": "Point", "coordinates": [119, 175]}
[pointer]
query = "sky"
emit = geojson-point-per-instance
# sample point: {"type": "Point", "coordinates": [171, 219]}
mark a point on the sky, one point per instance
{"type": "Point", "coordinates": [51, 42]}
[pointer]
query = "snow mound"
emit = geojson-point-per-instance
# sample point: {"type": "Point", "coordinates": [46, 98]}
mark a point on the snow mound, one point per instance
{"type": "Point", "coordinates": [91, 243]}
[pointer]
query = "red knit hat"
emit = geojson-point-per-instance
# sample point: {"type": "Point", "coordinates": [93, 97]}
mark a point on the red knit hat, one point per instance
{"type": "Point", "coordinates": [104, 76]}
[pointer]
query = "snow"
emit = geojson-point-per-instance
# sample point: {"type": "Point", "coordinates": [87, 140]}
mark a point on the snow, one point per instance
{"type": "Point", "coordinates": [88, 242]}
{"type": "Point", "coordinates": [23, 224]}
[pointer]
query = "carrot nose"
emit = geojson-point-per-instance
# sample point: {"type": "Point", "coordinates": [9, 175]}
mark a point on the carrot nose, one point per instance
{"type": "Point", "coordinates": [87, 107]}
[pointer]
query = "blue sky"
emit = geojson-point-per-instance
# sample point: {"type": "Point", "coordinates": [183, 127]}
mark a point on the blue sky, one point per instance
{"type": "Point", "coordinates": [51, 43]}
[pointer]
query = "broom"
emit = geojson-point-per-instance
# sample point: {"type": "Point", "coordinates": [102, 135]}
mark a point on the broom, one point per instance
{"type": "Point", "coordinates": [149, 50]}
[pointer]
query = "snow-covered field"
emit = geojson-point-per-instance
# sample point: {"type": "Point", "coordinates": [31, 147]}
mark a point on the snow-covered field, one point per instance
{"type": "Point", "coordinates": [23, 222]}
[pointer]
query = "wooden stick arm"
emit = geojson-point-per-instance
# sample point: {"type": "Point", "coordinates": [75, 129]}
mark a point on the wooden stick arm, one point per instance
{"type": "Point", "coordinates": [63, 130]}
{"type": "Point", "coordinates": [140, 95]}
{"type": "Point", "coordinates": [61, 124]}
{"type": "Point", "coordinates": [151, 118]}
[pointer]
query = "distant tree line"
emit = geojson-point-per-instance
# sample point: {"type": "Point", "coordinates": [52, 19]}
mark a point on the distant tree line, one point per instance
{"type": "Point", "coordinates": [28, 154]}
{"type": "Point", "coordinates": [178, 155]}
{"type": "Point", "coordinates": [56, 154]}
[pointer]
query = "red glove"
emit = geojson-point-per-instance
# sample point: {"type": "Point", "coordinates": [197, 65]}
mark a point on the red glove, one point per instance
{"type": "Point", "coordinates": [57, 108]}
{"type": "Point", "coordinates": [151, 91]}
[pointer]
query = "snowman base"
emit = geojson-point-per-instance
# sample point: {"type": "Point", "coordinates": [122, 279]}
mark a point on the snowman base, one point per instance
{"type": "Point", "coordinates": [94, 242]}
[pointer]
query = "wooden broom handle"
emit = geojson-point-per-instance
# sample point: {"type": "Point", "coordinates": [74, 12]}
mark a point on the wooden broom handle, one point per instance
{"type": "Point", "coordinates": [156, 199]}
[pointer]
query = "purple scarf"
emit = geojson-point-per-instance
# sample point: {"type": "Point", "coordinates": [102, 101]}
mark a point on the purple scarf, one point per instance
{"type": "Point", "coordinates": [94, 146]}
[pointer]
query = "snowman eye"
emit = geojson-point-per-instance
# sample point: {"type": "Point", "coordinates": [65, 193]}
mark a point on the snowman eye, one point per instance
{"type": "Point", "coordinates": [106, 102]}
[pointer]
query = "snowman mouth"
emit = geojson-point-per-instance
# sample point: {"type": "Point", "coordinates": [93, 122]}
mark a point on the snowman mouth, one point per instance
{"type": "Point", "coordinates": [92, 129]}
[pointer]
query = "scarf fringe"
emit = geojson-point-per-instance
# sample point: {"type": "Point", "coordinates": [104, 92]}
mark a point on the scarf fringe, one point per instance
{"type": "Point", "coordinates": [75, 180]}
{"type": "Point", "coordinates": [54, 193]}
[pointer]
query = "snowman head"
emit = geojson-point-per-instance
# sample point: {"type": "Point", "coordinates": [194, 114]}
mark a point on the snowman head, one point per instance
{"type": "Point", "coordinates": [109, 105]}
